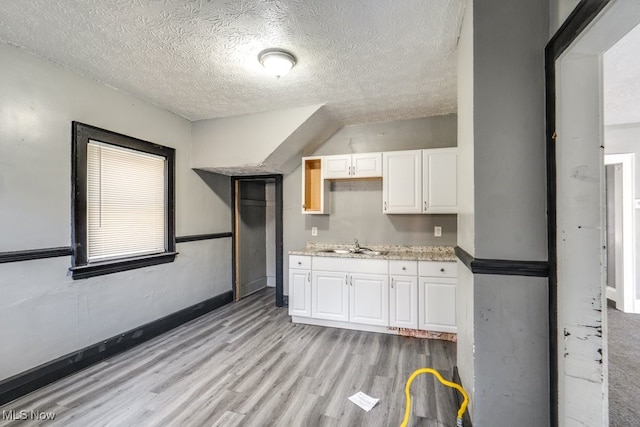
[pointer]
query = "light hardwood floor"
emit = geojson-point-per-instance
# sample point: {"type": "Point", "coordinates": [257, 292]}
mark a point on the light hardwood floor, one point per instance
{"type": "Point", "coordinates": [246, 364]}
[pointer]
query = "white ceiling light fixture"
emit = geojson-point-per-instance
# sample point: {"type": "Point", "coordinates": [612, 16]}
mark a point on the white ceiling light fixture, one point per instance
{"type": "Point", "coordinates": [277, 62]}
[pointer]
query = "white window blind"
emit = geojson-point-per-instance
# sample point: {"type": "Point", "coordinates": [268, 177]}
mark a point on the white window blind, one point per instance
{"type": "Point", "coordinates": [126, 207]}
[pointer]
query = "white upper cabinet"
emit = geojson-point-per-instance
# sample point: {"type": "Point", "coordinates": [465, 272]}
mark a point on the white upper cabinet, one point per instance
{"type": "Point", "coordinates": [402, 182]}
{"type": "Point", "coordinates": [366, 165]}
{"type": "Point", "coordinates": [439, 185]}
{"type": "Point", "coordinates": [338, 166]}
{"type": "Point", "coordinates": [361, 165]}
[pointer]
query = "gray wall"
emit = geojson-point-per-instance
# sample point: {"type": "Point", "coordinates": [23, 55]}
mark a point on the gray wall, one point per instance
{"type": "Point", "coordinates": [356, 205]}
{"type": "Point", "coordinates": [44, 314]}
{"type": "Point", "coordinates": [619, 139]}
{"type": "Point", "coordinates": [503, 353]}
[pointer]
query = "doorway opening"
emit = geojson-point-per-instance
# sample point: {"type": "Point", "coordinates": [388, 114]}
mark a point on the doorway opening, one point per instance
{"type": "Point", "coordinates": [257, 235]}
{"type": "Point", "coordinates": [577, 208]}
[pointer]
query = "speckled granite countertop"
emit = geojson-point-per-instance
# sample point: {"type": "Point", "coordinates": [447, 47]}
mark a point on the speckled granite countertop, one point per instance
{"type": "Point", "coordinates": [399, 252]}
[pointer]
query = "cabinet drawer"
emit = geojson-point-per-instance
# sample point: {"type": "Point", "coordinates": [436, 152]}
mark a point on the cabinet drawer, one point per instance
{"type": "Point", "coordinates": [438, 269]}
{"type": "Point", "coordinates": [408, 268]}
{"type": "Point", "coordinates": [299, 261]}
{"type": "Point", "coordinates": [351, 265]}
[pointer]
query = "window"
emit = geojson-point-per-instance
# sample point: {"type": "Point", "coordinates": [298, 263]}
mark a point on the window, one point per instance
{"type": "Point", "coordinates": [123, 202]}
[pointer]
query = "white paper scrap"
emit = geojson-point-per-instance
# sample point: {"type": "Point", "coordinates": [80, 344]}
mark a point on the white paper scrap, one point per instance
{"type": "Point", "coordinates": [362, 400]}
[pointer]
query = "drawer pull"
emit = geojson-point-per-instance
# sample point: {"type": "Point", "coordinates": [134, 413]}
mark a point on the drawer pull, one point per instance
{"type": "Point", "coordinates": [404, 268]}
{"type": "Point", "coordinates": [442, 270]}
{"type": "Point", "coordinates": [299, 262]}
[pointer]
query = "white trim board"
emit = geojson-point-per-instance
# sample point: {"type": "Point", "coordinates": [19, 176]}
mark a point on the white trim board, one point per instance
{"type": "Point", "coordinates": [626, 301]}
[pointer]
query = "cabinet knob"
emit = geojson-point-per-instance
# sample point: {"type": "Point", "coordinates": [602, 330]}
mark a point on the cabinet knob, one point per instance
{"type": "Point", "coordinates": [299, 262]}
{"type": "Point", "coordinates": [304, 206]}
{"type": "Point", "coordinates": [442, 270]}
{"type": "Point", "coordinates": [404, 268]}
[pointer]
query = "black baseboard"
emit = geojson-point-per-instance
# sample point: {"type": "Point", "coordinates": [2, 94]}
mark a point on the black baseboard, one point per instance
{"type": "Point", "coordinates": [33, 379]}
{"type": "Point", "coordinates": [466, 419]}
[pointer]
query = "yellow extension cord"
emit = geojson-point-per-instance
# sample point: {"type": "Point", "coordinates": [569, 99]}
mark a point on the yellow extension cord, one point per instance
{"type": "Point", "coordinates": [458, 387]}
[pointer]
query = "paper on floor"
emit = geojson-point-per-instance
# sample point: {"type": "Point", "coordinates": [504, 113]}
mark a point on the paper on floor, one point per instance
{"type": "Point", "coordinates": [364, 401]}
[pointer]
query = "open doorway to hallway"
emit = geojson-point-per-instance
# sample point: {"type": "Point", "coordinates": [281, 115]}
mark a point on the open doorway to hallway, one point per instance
{"type": "Point", "coordinates": [578, 231]}
{"type": "Point", "coordinates": [621, 111]}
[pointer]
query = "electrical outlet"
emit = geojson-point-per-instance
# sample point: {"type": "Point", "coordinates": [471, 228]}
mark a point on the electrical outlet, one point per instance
{"type": "Point", "coordinates": [437, 231]}
{"type": "Point", "coordinates": [314, 231]}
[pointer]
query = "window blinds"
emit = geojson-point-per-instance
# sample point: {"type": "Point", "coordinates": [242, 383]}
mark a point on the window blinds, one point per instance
{"type": "Point", "coordinates": [126, 207]}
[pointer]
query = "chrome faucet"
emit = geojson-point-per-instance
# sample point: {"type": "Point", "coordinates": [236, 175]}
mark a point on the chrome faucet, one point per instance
{"type": "Point", "coordinates": [357, 245]}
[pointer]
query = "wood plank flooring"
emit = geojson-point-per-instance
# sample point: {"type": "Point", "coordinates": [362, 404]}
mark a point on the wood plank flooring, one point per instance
{"type": "Point", "coordinates": [246, 364]}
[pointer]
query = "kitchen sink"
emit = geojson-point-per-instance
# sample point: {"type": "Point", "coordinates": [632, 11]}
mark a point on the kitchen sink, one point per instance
{"type": "Point", "coordinates": [336, 251]}
{"type": "Point", "coordinates": [365, 251]}
{"type": "Point", "coordinates": [361, 251]}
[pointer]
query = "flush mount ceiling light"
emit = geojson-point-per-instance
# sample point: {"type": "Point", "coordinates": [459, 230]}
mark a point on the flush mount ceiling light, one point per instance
{"type": "Point", "coordinates": [277, 61]}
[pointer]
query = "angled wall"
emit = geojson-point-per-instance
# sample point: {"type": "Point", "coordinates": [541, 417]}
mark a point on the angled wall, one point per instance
{"type": "Point", "coordinates": [261, 143]}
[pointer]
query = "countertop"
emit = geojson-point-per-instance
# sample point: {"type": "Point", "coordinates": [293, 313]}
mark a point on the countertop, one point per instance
{"type": "Point", "coordinates": [394, 252]}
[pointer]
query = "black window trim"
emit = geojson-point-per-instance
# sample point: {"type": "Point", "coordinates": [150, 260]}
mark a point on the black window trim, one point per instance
{"type": "Point", "coordinates": [81, 269]}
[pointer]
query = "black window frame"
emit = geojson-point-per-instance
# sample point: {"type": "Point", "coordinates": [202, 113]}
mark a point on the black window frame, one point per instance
{"type": "Point", "coordinates": [81, 268]}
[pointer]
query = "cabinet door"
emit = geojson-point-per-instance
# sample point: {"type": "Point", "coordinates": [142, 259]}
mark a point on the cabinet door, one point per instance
{"type": "Point", "coordinates": [337, 166]}
{"type": "Point", "coordinates": [369, 299]}
{"type": "Point", "coordinates": [314, 187]}
{"type": "Point", "coordinates": [402, 182]}
{"type": "Point", "coordinates": [300, 292]}
{"type": "Point", "coordinates": [366, 165]}
{"type": "Point", "coordinates": [437, 304]}
{"type": "Point", "coordinates": [440, 174]}
{"type": "Point", "coordinates": [329, 295]}
{"type": "Point", "coordinates": [403, 302]}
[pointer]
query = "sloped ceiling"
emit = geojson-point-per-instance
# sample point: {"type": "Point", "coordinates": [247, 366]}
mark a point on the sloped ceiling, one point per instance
{"type": "Point", "coordinates": [366, 60]}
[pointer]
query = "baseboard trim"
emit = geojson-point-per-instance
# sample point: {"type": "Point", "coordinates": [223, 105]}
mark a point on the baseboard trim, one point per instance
{"type": "Point", "coordinates": [466, 418]}
{"type": "Point", "coordinates": [40, 376]}
{"type": "Point", "coordinates": [502, 266]}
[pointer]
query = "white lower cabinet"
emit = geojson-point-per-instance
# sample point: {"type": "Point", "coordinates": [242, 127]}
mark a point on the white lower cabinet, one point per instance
{"type": "Point", "coordinates": [403, 294]}
{"type": "Point", "coordinates": [403, 302]}
{"type": "Point", "coordinates": [369, 299]}
{"type": "Point", "coordinates": [350, 290]}
{"type": "Point", "coordinates": [375, 294]}
{"type": "Point", "coordinates": [437, 296]}
{"type": "Point", "coordinates": [329, 295]}
{"type": "Point", "coordinates": [300, 292]}
{"type": "Point", "coordinates": [300, 285]}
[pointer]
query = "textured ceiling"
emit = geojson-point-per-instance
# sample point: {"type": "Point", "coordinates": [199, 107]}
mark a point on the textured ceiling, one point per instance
{"type": "Point", "coordinates": [373, 60]}
{"type": "Point", "coordinates": [621, 84]}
